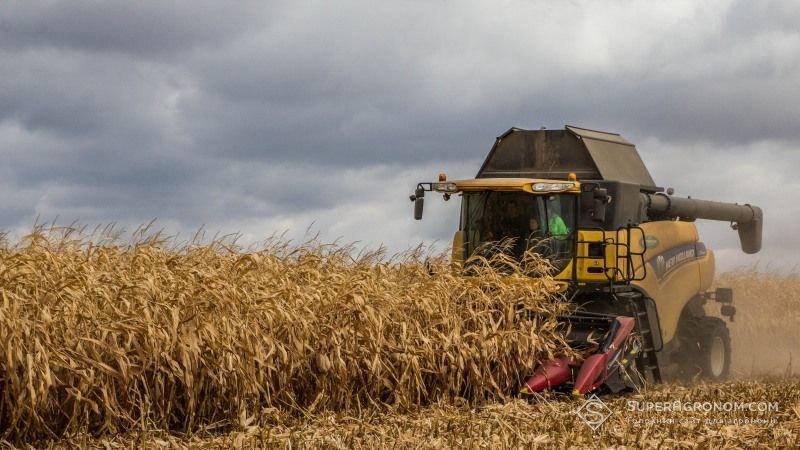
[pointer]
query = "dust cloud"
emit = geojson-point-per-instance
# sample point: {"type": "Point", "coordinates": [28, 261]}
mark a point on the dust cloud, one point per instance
{"type": "Point", "coordinates": [765, 333]}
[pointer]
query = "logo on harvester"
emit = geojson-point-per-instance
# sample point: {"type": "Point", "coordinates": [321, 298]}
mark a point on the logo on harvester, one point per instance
{"type": "Point", "coordinates": [594, 412]}
{"type": "Point", "coordinates": [670, 260]}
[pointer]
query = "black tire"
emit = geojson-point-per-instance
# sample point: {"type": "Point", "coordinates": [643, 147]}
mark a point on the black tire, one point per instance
{"type": "Point", "coordinates": [715, 346]}
{"type": "Point", "coordinates": [706, 350]}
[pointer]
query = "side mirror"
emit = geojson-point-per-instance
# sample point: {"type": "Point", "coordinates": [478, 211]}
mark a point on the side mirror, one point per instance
{"type": "Point", "coordinates": [599, 210]}
{"type": "Point", "coordinates": [601, 199]}
{"type": "Point", "coordinates": [419, 203]}
{"type": "Point", "coordinates": [457, 254]}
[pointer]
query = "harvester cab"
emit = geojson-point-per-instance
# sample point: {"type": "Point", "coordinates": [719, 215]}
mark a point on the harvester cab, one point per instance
{"type": "Point", "coordinates": [625, 251]}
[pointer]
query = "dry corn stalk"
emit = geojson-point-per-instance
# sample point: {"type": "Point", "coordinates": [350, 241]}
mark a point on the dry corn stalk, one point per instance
{"type": "Point", "coordinates": [103, 335]}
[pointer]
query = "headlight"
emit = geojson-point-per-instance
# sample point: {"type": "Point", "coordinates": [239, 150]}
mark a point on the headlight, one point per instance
{"type": "Point", "coordinates": [551, 187]}
{"type": "Point", "coordinates": [444, 187]}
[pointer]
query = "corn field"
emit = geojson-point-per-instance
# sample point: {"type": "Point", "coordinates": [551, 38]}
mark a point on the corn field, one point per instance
{"type": "Point", "coordinates": [147, 342]}
{"type": "Point", "coordinates": [103, 336]}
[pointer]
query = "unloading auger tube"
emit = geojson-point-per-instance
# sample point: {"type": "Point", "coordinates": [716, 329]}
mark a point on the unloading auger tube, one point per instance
{"type": "Point", "coordinates": [746, 219]}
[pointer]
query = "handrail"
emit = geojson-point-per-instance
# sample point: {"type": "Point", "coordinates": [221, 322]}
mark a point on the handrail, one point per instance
{"type": "Point", "coordinates": [624, 269]}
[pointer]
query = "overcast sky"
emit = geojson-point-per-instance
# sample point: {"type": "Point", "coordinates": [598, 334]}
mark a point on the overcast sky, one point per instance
{"type": "Point", "coordinates": [267, 117]}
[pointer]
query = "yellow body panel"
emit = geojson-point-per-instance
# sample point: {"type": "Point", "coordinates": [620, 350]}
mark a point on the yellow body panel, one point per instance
{"type": "Point", "coordinates": [676, 271]}
{"type": "Point", "coordinates": [707, 267]}
{"type": "Point", "coordinates": [457, 253]}
{"type": "Point", "coordinates": [592, 269]}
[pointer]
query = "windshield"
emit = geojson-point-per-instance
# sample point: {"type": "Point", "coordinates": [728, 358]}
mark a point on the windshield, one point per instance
{"type": "Point", "coordinates": [544, 223]}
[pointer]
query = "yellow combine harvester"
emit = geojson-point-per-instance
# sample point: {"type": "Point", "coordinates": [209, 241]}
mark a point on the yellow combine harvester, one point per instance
{"type": "Point", "coordinates": [624, 250]}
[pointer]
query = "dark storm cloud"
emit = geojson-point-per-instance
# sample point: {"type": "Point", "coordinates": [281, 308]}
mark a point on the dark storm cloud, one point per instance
{"type": "Point", "coordinates": [145, 30]}
{"type": "Point", "coordinates": [338, 88]}
{"type": "Point", "coordinates": [268, 116]}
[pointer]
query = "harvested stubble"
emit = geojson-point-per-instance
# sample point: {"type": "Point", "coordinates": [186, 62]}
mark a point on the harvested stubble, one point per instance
{"type": "Point", "coordinates": [103, 336]}
{"type": "Point", "coordinates": [517, 424]}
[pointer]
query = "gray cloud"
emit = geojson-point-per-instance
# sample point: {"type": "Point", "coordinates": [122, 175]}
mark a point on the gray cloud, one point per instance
{"type": "Point", "coordinates": [146, 30]}
{"type": "Point", "coordinates": [264, 117]}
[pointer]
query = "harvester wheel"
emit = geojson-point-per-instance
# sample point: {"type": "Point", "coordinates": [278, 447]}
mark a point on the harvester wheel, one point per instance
{"type": "Point", "coordinates": [708, 350]}
{"type": "Point", "coordinates": [715, 346]}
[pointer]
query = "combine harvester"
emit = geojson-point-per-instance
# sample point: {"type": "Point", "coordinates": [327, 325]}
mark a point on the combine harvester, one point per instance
{"type": "Point", "coordinates": [623, 250]}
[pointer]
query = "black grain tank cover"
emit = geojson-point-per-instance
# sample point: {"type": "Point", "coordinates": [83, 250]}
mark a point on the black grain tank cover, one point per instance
{"type": "Point", "coordinates": [553, 154]}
